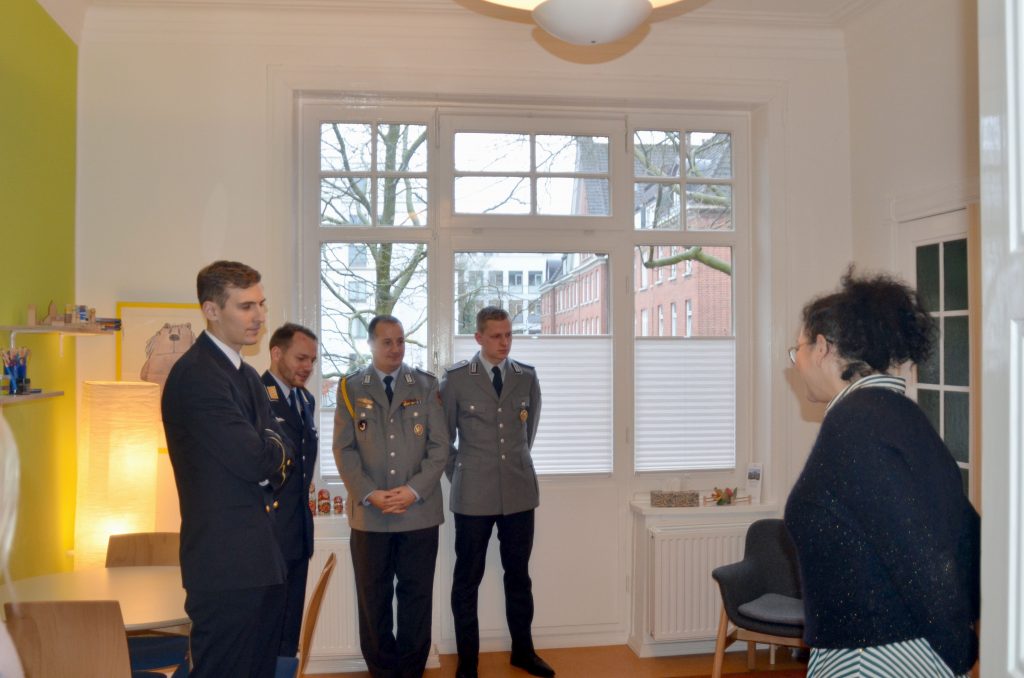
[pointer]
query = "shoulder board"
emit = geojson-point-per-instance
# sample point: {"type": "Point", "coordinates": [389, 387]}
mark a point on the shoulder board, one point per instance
{"type": "Point", "coordinates": [352, 374]}
{"type": "Point", "coordinates": [423, 371]}
{"type": "Point", "coordinates": [521, 364]}
{"type": "Point", "coordinates": [457, 366]}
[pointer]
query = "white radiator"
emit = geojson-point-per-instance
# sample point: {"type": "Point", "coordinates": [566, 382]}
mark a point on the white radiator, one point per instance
{"type": "Point", "coordinates": [337, 631]}
{"type": "Point", "coordinates": [684, 602]}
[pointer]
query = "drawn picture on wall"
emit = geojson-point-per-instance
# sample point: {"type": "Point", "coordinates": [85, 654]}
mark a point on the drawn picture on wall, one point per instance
{"type": "Point", "coordinates": [153, 336]}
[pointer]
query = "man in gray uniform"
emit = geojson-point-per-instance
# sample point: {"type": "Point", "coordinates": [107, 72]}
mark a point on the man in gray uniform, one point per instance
{"type": "Point", "coordinates": [391, 444]}
{"type": "Point", "coordinates": [493, 403]}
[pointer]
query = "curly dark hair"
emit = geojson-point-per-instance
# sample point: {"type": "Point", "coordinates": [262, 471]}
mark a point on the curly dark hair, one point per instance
{"type": "Point", "coordinates": [874, 322]}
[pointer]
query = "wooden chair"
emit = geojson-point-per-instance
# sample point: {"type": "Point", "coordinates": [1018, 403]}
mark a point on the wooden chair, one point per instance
{"type": "Point", "coordinates": [150, 649]}
{"type": "Point", "coordinates": [760, 594]}
{"type": "Point", "coordinates": [143, 548]}
{"type": "Point", "coordinates": [287, 666]}
{"type": "Point", "coordinates": [56, 639]}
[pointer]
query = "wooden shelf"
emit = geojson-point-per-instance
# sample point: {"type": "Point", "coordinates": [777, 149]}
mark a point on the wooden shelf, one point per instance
{"type": "Point", "coordinates": [12, 399]}
{"type": "Point", "coordinates": [82, 330]}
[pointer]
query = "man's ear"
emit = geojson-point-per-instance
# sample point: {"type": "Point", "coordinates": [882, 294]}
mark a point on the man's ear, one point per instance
{"type": "Point", "coordinates": [275, 354]}
{"type": "Point", "coordinates": [211, 311]}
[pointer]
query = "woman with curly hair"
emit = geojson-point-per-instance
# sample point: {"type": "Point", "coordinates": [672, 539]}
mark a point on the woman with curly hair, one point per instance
{"type": "Point", "coordinates": [887, 542]}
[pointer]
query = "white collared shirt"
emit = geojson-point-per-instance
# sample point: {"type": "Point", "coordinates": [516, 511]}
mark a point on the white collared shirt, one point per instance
{"type": "Point", "coordinates": [234, 356]}
{"type": "Point", "coordinates": [488, 366]}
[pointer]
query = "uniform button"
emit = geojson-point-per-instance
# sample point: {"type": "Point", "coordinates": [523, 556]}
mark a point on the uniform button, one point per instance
{"type": "Point", "coordinates": [473, 407]}
{"type": "Point", "coordinates": [267, 508]}
{"type": "Point", "coordinates": [392, 436]}
{"type": "Point", "coordinates": [392, 454]}
{"type": "Point", "coordinates": [499, 409]}
{"type": "Point", "coordinates": [391, 421]}
{"type": "Point", "coordinates": [392, 471]}
{"type": "Point", "coordinates": [415, 414]}
{"type": "Point", "coordinates": [501, 440]}
{"type": "Point", "coordinates": [501, 426]}
{"type": "Point", "coordinates": [276, 504]}
{"type": "Point", "coordinates": [503, 456]}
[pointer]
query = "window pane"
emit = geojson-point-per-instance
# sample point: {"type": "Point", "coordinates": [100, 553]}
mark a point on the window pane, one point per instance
{"type": "Point", "coordinates": [956, 351]}
{"type": "Point", "coordinates": [562, 153]}
{"type": "Point", "coordinates": [655, 153]}
{"type": "Point", "coordinates": [957, 423]}
{"type": "Point", "coordinates": [351, 294]}
{"type": "Point", "coordinates": [685, 404]}
{"type": "Point", "coordinates": [928, 370]}
{"type": "Point", "coordinates": [656, 206]}
{"type": "Point", "coordinates": [492, 195]}
{"type": "Point", "coordinates": [565, 295]}
{"type": "Point", "coordinates": [954, 269]}
{"type": "Point", "coordinates": [576, 197]}
{"type": "Point", "coordinates": [352, 291]}
{"type": "Point", "coordinates": [706, 294]}
{"type": "Point", "coordinates": [929, 402]}
{"type": "Point", "coordinates": [345, 148]}
{"type": "Point", "coordinates": [345, 201]}
{"type": "Point", "coordinates": [402, 201]}
{"type": "Point", "coordinates": [685, 388]}
{"type": "Point", "coordinates": [928, 277]}
{"type": "Point", "coordinates": [402, 148]}
{"type": "Point", "coordinates": [492, 152]}
{"type": "Point", "coordinates": [709, 155]}
{"type": "Point", "coordinates": [708, 207]}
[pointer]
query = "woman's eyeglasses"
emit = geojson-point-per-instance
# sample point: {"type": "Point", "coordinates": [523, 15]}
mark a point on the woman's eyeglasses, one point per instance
{"type": "Point", "coordinates": [793, 350]}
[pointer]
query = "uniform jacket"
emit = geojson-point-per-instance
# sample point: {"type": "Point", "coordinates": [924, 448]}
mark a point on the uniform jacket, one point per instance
{"type": "Point", "coordinates": [215, 418]}
{"type": "Point", "coordinates": [381, 446]}
{"type": "Point", "coordinates": [294, 522]}
{"type": "Point", "coordinates": [490, 467]}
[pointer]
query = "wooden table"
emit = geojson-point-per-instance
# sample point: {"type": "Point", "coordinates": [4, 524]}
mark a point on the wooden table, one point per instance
{"type": "Point", "coordinates": [151, 597]}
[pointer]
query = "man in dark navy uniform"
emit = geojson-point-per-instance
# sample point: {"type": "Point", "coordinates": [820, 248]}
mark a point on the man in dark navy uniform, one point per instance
{"type": "Point", "coordinates": [293, 351]}
{"type": "Point", "coordinates": [228, 456]}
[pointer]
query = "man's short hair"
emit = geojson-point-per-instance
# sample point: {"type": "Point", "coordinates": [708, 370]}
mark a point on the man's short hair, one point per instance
{"type": "Point", "coordinates": [371, 329]}
{"type": "Point", "coordinates": [213, 281]}
{"type": "Point", "coordinates": [489, 313]}
{"type": "Point", "coordinates": [283, 335]}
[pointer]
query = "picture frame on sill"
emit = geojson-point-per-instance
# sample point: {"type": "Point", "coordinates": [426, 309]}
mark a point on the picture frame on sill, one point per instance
{"type": "Point", "coordinates": [153, 336]}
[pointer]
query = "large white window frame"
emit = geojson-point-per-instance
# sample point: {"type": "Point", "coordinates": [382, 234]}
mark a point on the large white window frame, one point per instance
{"type": "Point", "coordinates": [446, 232]}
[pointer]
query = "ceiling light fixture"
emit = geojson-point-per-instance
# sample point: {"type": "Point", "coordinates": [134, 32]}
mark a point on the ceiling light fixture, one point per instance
{"type": "Point", "coordinates": [587, 22]}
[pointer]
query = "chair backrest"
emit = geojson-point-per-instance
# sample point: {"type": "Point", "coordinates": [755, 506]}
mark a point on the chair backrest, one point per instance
{"type": "Point", "coordinates": [143, 548]}
{"type": "Point", "coordinates": [312, 614]}
{"type": "Point", "coordinates": [770, 547]}
{"type": "Point", "coordinates": [56, 639]}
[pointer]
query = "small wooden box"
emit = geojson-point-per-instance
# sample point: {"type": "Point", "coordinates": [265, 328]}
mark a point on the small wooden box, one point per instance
{"type": "Point", "coordinates": [678, 498]}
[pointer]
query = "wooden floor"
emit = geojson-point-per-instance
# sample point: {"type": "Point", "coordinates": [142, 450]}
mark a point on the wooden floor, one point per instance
{"type": "Point", "coordinates": [613, 661]}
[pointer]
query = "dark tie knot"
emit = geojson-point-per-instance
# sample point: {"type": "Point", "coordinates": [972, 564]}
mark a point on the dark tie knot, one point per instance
{"type": "Point", "coordinates": [387, 387]}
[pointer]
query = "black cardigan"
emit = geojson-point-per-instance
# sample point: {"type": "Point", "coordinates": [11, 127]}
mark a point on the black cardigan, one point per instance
{"type": "Point", "coordinates": [888, 544]}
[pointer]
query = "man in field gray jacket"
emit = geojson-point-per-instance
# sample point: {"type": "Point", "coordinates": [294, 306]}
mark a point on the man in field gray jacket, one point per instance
{"type": "Point", "coordinates": [390, 444]}
{"type": "Point", "coordinates": [493, 403]}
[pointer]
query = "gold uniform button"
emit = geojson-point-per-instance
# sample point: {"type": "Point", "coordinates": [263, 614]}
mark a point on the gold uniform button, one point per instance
{"type": "Point", "coordinates": [267, 508]}
{"type": "Point", "coordinates": [276, 504]}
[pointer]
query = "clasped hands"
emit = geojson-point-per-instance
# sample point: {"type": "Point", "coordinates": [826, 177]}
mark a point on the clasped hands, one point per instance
{"type": "Point", "coordinates": [392, 501]}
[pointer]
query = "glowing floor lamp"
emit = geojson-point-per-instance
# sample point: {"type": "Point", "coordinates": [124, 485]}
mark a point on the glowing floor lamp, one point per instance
{"type": "Point", "coordinates": [117, 465]}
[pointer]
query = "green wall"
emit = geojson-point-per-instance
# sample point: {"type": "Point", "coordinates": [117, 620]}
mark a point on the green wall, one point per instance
{"type": "Point", "coordinates": [38, 81]}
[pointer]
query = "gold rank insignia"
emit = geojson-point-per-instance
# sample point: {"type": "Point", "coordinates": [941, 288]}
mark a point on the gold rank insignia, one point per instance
{"type": "Point", "coordinates": [272, 393]}
{"type": "Point", "coordinates": [361, 425]}
{"type": "Point", "coordinates": [418, 429]}
{"type": "Point", "coordinates": [523, 415]}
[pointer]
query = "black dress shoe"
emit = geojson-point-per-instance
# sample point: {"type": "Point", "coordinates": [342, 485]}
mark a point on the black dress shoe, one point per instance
{"type": "Point", "coordinates": [533, 665]}
{"type": "Point", "coordinates": [465, 672]}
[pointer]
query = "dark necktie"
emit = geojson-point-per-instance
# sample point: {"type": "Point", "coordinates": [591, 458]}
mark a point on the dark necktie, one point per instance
{"type": "Point", "coordinates": [387, 387]}
{"type": "Point", "coordinates": [496, 380]}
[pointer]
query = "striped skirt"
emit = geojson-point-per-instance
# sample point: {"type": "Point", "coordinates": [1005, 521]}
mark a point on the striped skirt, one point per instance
{"type": "Point", "coordinates": [907, 659]}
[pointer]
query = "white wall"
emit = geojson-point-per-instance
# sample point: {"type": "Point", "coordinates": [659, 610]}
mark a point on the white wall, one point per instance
{"type": "Point", "coordinates": [185, 151]}
{"type": "Point", "coordinates": [913, 71]}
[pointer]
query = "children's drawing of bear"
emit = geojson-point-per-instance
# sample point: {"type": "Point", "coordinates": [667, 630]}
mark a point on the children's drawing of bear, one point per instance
{"type": "Point", "coordinates": [163, 349]}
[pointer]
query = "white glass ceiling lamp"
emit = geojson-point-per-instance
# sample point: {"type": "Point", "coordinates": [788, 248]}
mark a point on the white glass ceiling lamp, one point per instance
{"type": "Point", "coordinates": [587, 22]}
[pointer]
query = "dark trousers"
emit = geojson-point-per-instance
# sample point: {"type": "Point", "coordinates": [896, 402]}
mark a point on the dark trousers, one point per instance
{"type": "Point", "coordinates": [295, 600]}
{"type": "Point", "coordinates": [515, 534]}
{"type": "Point", "coordinates": [379, 560]}
{"type": "Point", "coordinates": [235, 633]}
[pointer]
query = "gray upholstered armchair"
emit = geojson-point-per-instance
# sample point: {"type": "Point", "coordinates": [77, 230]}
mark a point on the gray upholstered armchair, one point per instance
{"type": "Point", "coordinates": [760, 594]}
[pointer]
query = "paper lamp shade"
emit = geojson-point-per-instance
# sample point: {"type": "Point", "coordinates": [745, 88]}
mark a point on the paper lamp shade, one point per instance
{"type": "Point", "coordinates": [117, 463]}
